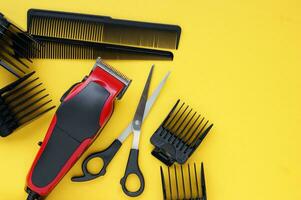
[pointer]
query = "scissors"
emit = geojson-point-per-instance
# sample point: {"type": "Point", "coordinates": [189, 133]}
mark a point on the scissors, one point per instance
{"type": "Point", "coordinates": [134, 127]}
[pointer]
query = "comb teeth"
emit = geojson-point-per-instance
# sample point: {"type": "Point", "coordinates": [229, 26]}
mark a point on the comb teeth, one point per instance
{"type": "Point", "coordinates": [102, 29]}
{"type": "Point", "coordinates": [54, 48]}
{"type": "Point", "coordinates": [21, 102]}
{"type": "Point", "coordinates": [179, 135]}
{"type": "Point", "coordinates": [114, 72]}
{"type": "Point", "coordinates": [14, 45]}
{"type": "Point", "coordinates": [183, 183]}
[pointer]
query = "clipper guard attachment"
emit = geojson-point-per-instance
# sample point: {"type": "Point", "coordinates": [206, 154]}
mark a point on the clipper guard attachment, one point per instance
{"type": "Point", "coordinates": [183, 182]}
{"type": "Point", "coordinates": [21, 102]}
{"type": "Point", "coordinates": [15, 44]}
{"type": "Point", "coordinates": [179, 135]}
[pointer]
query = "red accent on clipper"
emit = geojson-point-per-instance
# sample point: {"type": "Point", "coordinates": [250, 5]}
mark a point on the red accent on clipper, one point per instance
{"type": "Point", "coordinates": [85, 109]}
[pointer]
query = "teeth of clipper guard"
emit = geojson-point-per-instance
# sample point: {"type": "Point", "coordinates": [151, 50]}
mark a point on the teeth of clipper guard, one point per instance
{"type": "Point", "coordinates": [179, 135]}
{"type": "Point", "coordinates": [15, 44]}
{"type": "Point", "coordinates": [21, 102]}
{"type": "Point", "coordinates": [183, 182]}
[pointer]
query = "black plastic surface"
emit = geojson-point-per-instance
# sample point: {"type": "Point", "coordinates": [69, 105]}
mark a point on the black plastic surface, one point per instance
{"type": "Point", "coordinates": [79, 116]}
{"type": "Point", "coordinates": [132, 167]}
{"type": "Point", "coordinates": [77, 120]}
{"type": "Point", "coordinates": [106, 155]}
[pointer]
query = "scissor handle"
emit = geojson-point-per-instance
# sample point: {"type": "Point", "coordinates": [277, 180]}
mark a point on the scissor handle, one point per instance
{"type": "Point", "coordinates": [133, 168]}
{"type": "Point", "coordinates": [106, 155]}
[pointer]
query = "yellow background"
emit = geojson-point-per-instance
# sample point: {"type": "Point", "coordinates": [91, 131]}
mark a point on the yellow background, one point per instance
{"type": "Point", "coordinates": [238, 63]}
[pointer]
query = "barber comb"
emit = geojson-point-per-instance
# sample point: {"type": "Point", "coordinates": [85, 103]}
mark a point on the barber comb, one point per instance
{"type": "Point", "coordinates": [21, 102]}
{"type": "Point", "coordinates": [183, 183]}
{"type": "Point", "coordinates": [14, 45]}
{"type": "Point", "coordinates": [180, 134]}
{"type": "Point", "coordinates": [81, 36]}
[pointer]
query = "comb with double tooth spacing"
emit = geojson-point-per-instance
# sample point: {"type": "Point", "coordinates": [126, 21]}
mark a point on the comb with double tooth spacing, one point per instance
{"type": "Point", "coordinates": [102, 29]}
{"type": "Point", "coordinates": [179, 135]}
{"type": "Point", "coordinates": [183, 183]}
{"type": "Point", "coordinates": [91, 36]}
{"type": "Point", "coordinates": [56, 48]}
{"type": "Point", "coordinates": [14, 45]}
{"type": "Point", "coordinates": [21, 102]}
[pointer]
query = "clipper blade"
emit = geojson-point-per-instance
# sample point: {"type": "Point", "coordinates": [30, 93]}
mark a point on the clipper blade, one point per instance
{"type": "Point", "coordinates": [21, 102]}
{"type": "Point", "coordinates": [15, 44]}
{"type": "Point", "coordinates": [179, 135]}
{"type": "Point", "coordinates": [116, 74]}
{"type": "Point", "coordinates": [183, 182]}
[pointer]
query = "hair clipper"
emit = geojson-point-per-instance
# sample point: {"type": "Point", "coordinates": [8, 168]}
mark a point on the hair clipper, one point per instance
{"type": "Point", "coordinates": [85, 109]}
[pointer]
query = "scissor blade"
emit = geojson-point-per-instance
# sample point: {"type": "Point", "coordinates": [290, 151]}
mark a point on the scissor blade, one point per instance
{"type": "Point", "coordinates": [149, 104]}
{"type": "Point", "coordinates": [142, 103]}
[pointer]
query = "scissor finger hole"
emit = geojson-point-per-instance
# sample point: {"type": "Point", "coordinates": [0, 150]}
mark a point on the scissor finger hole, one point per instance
{"type": "Point", "coordinates": [132, 183]}
{"type": "Point", "coordinates": [95, 165]}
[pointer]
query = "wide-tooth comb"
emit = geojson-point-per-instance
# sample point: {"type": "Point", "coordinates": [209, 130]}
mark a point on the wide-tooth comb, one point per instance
{"type": "Point", "coordinates": [179, 135]}
{"type": "Point", "coordinates": [183, 183]}
{"type": "Point", "coordinates": [14, 45]}
{"type": "Point", "coordinates": [56, 48]}
{"type": "Point", "coordinates": [102, 29]}
{"type": "Point", "coordinates": [21, 102]}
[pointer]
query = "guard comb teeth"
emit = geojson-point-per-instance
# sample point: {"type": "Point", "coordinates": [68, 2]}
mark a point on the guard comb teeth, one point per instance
{"type": "Point", "coordinates": [179, 135]}
{"type": "Point", "coordinates": [21, 102]}
{"type": "Point", "coordinates": [183, 182]}
{"type": "Point", "coordinates": [15, 45]}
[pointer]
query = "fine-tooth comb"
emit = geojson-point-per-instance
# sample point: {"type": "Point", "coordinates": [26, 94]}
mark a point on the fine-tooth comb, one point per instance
{"type": "Point", "coordinates": [183, 183]}
{"type": "Point", "coordinates": [21, 102]}
{"type": "Point", "coordinates": [179, 135]}
{"type": "Point", "coordinates": [14, 45]}
{"type": "Point", "coordinates": [54, 48]}
{"type": "Point", "coordinates": [113, 35]}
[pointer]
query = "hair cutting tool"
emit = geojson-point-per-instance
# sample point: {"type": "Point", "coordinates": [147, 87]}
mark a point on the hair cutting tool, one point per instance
{"type": "Point", "coordinates": [108, 154]}
{"type": "Point", "coordinates": [21, 102]}
{"type": "Point", "coordinates": [14, 45]}
{"type": "Point", "coordinates": [57, 48]}
{"type": "Point", "coordinates": [179, 135]}
{"type": "Point", "coordinates": [85, 109]}
{"type": "Point", "coordinates": [183, 183]}
{"type": "Point", "coordinates": [100, 35]}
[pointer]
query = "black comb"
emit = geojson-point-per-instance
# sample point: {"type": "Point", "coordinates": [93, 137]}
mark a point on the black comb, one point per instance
{"type": "Point", "coordinates": [56, 48]}
{"type": "Point", "coordinates": [14, 45]}
{"type": "Point", "coordinates": [110, 34]}
{"type": "Point", "coordinates": [21, 102]}
{"type": "Point", "coordinates": [183, 183]}
{"type": "Point", "coordinates": [179, 135]}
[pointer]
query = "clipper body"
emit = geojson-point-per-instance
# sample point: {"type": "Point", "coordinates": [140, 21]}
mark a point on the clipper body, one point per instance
{"type": "Point", "coordinates": [85, 109]}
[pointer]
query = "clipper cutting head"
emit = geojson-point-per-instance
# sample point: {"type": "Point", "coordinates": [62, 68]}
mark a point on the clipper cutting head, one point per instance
{"type": "Point", "coordinates": [14, 44]}
{"type": "Point", "coordinates": [183, 183]}
{"type": "Point", "coordinates": [115, 73]}
{"type": "Point", "coordinates": [179, 135]}
{"type": "Point", "coordinates": [21, 102]}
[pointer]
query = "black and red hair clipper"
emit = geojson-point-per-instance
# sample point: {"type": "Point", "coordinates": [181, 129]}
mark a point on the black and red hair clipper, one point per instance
{"type": "Point", "coordinates": [85, 109]}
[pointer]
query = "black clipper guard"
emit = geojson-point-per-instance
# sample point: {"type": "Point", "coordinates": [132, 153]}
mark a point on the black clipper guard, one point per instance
{"type": "Point", "coordinates": [15, 44]}
{"type": "Point", "coordinates": [183, 182]}
{"type": "Point", "coordinates": [179, 135]}
{"type": "Point", "coordinates": [21, 102]}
